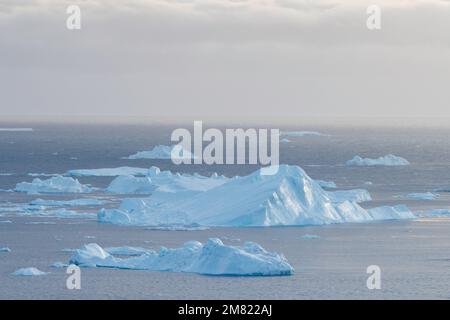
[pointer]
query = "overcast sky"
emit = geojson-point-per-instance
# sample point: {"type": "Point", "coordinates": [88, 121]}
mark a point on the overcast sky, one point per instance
{"type": "Point", "coordinates": [215, 58]}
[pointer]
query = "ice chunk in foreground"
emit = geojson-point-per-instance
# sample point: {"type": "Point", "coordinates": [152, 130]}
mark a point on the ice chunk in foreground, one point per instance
{"type": "Point", "coordinates": [163, 152]}
{"type": "Point", "coordinates": [289, 197]}
{"type": "Point", "coordinates": [211, 258]}
{"type": "Point", "coordinates": [58, 184]}
{"type": "Point", "coordinates": [388, 160]}
{"type": "Point", "coordinates": [108, 172]}
{"type": "Point", "coordinates": [164, 181]}
{"type": "Point", "coordinates": [29, 272]}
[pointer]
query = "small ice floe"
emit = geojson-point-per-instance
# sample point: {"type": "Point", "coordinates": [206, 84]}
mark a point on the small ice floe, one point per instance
{"type": "Point", "coordinates": [368, 183]}
{"type": "Point", "coordinates": [90, 237]}
{"type": "Point", "coordinates": [58, 184]}
{"type": "Point", "coordinates": [353, 195]}
{"type": "Point", "coordinates": [41, 222]}
{"type": "Point", "coordinates": [443, 189]}
{"type": "Point", "coordinates": [32, 271]}
{"type": "Point", "coordinates": [6, 174]}
{"type": "Point", "coordinates": [388, 160]}
{"type": "Point", "coordinates": [178, 227]}
{"type": "Point", "coordinates": [211, 258]}
{"type": "Point", "coordinates": [5, 249]}
{"type": "Point", "coordinates": [5, 221]}
{"type": "Point", "coordinates": [16, 129]}
{"type": "Point", "coordinates": [69, 250]}
{"type": "Point", "coordinates": [326, 184]}
{"type": "Point", "coordinates": [310, 236]}
{"type": "Point", "coordinates": [6, 190]}
{"type": "Point", "coordinates": [434, 213]}
{"type": "Point", "coordinates": [68, 203]}
{"type": "Point", "coordinates": [422, 196]}
{"type": "Point", "coordinates": [162, 152]}
{"type": "Point", "coordinates": [284, 140]}
{"type": "Point", "coordinates": [59, 265]}
{"type": "Point", "coordinates": [43, 174]}
{"type": "Point", "coordinates": [108, 172]}
{"type": "Point", "coordinates": [302, 133]}
{"type": "Point", "coordinates": [58, 213]}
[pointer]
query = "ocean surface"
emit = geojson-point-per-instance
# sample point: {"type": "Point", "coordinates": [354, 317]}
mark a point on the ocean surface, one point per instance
{"type": "Point", "coordinates": [414, 256]}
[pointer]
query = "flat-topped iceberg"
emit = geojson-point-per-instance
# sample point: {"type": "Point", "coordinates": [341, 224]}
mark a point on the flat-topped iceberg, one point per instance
{"type": "Point", "coordinates": [162, 152]}
{"type": "Point", "coordinates": [301, 133]}
{"type": "Point", "coordinates": [108, 172]}
{"type": "Point", "coordinates": [67, 203]}
{"type": "Point", "coordinates": [388, 160]}
{"type": "Point", "coordinates": [211, 258]}
{"type": "Point", "coordinates": [164, 181]}
{"type": "Point", "coordinates": [289, 197]}
{"type": "Point", "coordinates": [57, 184]}
{"type": "Point", "coordinates": [32, 271]}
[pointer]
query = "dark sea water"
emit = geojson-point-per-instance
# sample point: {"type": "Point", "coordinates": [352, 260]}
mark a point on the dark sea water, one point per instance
{"type": "Point", "coordinates": [413, 254]}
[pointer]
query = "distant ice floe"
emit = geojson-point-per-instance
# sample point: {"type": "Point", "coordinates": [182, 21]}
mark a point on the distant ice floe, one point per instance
{"type": "Point", "coordinates": [443, 189]}
{"type": "Point", "coordinates": [422, 196]}
{"type": "Point", "coordinates": [29, 272]}
{"type": "Point", "coordinates": [58, 184]}
{"type": "Point", "coordinates": [326, 184]}
{"type": "Point", "coordinates": [211, 258]}
{"type": "Point", "coordinates": [434, 213]}
{"type": "Point", "coordinates": [128, 251]}
{"type": "Point", "coordinates": [108, 172]}
{"type": "Point", "coordinates": [5, 249]}
{"type": "Point", "coordinates": [57, 213]}
{"type": "Point", "coordinates": [302, 133]}
{"type": "Point", "coordinates": [43, 174]}
{"type": "Point", "coordinates": [59, 265]}
{"type": "Point", "coordinates": [16, 129]}
{"type": "Point", "coordinates": [68, 203]}
{"type": "Point", "coordinates": [388, 160]}
{"type": "Point", "coordinates": [289, 197]}
{"type": "Point", "coordinates": [164, 181]}
{"type": "Point", "coordinates": [6, 174]}
{"type": "Point", "coordinates": [5, 221]}
{"type": "Point", "coordinates": [310, 236]}
{"type": "Point", "coordinates": [163, 152]}
{"type": "Point", "coordinates": [285, 140]}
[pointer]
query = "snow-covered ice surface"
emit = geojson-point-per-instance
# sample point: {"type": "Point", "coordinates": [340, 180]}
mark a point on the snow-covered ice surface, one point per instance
{"type": "Point", "coordinates": [163, 152]}
{"type": "Point", "coordinates": [31, 271]}
{"type": "Point", "coordinates": [211, 258]}
{"type": "Point", "coordinates": [388, 160]}
{"type": "Point", "coordinates": [58, 184]}
{"type": "Point", "coordinates": [164, 181]}
{"type": "Point", "coordinates": [289, 197]}
{"type": "Point", "coordinates": [108, 172]}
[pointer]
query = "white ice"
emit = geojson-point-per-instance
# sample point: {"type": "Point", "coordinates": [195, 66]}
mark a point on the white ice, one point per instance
{"type": "Point", "coordinates": [211, 258]}
{"type": "Point", "coordinates": [31, 271]}
{"type": "Point", "coordinates": [58, 184]}
{"type": "Point", "coordinates": [108, 172]}
{"type": "Point", "coordinates": [388, 160]}
{"type": "Point", "coordinates": [289, 197]}
{"type": "Point", "coordinates": [162, 152]}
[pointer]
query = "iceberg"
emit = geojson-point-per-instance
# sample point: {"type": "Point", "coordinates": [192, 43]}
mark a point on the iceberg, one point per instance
{"type": "Point", "coordinates": [164, 181]}
{"type": "Point", "coordinates": [107, 172]}
{"type": "Point", "coordinates": [5, 249]}
{"type": "Point", "coordinates": [326, 184]}
{"type": "Point", "coordinates": [388, 160]}
{"type": "Point", "coordinates": [289, 197]}
{"type": "Point", "coordinates": [162, 152]}
{"type": "Point", "coordinates": [422, 196]}
{"type": "Point", "coordinates": [67, 203]}
{"type": "Point", "coordinates": [310, 236]}
{"type": "Point", "coordinates": [58, 184]}
{"type": "Point", "coordinates": [302, 133]}
{"type": "Point", "coordinates": [211, 258]}
{"type": "Point", "coordinates": [437, 213]}
{"type": "Point", "coordinates": [29, 272]}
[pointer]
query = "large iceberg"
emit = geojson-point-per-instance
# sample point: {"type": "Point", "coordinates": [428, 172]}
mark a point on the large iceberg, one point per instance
{"type": "Point", "coordinates": [164, 181]}
{"type": "Point", "coordinates": [289, 197]}
{"type": "Point", "coordinates": [388, 160]}
{"type": "Point", "coordinates": [162, 152]}
{"type": "Point", "coordinates": [58, 184]}
{"type": "Point", "coordinates": [108, 172]}
{"type": "Point", "coordinates": [211, 258]}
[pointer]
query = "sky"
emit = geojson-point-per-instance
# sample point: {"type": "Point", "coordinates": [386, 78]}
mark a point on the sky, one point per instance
{"type": "Point", "coordinates": [225, 58]}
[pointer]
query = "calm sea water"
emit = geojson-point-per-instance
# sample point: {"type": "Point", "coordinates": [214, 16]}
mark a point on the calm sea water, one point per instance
{"type": "Point", "coordinates": [414, 255]}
